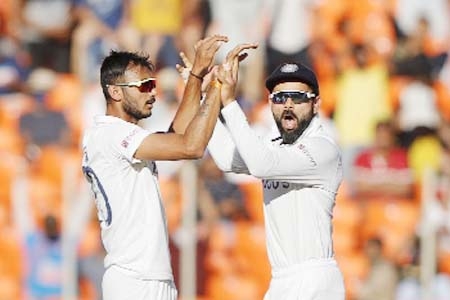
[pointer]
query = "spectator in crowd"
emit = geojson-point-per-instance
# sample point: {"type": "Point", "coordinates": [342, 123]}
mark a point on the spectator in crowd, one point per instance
{"type": "Point", "coordinates": [101, 25]}
{"type": "Point", "coordinates": [236, 20]}
{"type": "Point", "coordinates": [381, 171]}
{"type": "Point", "coordinates": [283, 44]}
{"type": "Point", "coordinates": [381, 282]}
{"type": "Point", "coordinates": [226, 196]}
{"type": "Point", "coordinates": [362, 99]}
{"type": "Point", "coordinates": [42, 126]}
{"type": "Point", "coordinates": [417, 112]}
{"type": "Point", "coordinates": [159, 23]}
{"type": "Point", "coordinates": [40, 233]}
{"type": "Point", "coordinates": [46, 30]}
{"type": "Point", "coordinates": [14, 67]}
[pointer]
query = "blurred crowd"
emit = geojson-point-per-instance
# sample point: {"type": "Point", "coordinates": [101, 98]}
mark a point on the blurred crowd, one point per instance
{"type": "Point", "coordinates": [384, 77]}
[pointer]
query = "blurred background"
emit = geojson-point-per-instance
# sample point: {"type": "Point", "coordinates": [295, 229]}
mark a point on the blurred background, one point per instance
{"type": "Point", "coordinates": [384, 77]}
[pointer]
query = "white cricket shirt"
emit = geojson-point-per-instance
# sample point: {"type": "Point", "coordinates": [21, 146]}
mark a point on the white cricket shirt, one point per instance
{"type": "Point", "coordinates": [128, 199]}
{"type": "Point", "coordinates": [300, 183]}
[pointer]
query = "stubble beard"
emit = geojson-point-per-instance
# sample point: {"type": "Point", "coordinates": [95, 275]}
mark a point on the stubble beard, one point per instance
{"type": "Point", "coordinates": [289, 137]}
{"type": "Point", "coordinates": [134, 112]}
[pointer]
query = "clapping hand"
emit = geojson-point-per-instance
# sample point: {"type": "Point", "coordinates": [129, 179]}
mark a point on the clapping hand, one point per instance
{"type": "Point", "coordinates": [227, 73]}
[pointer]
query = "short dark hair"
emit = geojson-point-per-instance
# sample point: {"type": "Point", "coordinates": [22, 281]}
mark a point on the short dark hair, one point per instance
{"type": "Point", "coordinates": [116, 63]}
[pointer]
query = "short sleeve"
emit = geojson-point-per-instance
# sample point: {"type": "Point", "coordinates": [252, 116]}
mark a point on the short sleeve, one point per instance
{"type": "Point", "coordinates": [127, 139]}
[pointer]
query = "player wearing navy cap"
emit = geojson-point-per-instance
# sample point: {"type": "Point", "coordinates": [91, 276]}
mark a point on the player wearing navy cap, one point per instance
{"type": "Point", "coordinates": [301, 171]}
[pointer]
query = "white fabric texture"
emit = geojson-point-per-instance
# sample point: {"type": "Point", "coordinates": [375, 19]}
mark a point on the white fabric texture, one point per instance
{"type": "Point", "coordinates": [130, 209]}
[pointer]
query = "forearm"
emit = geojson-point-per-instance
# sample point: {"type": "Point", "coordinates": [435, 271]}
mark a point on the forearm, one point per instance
{"type": "Point", "coordinates": [254, 153]}
{"type": "Point", "coordinates": [189, 105]}
{"type": "Point", "coordinates": [224, 152]}
{"type": "Point", "coordinates": [200, 129]}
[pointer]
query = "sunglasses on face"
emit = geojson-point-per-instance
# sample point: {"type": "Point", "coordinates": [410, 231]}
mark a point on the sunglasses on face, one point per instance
{"type": "Point", "coordinates": [297, 97]}
{"type": "Point", "coordinates": [144, 86]}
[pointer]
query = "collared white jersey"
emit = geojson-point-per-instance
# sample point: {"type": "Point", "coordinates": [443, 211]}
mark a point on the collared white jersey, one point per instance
{"type": "Point", "coordinates": [300, 182]}
{"type": "Point", "coordinates": [128, 199]}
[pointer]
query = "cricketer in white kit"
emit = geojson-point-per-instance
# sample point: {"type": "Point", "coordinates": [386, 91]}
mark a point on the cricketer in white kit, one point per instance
{"type": "Point", "coordinates": [130, 210]}
{"type": "Point", "coordinates": [301, 172]}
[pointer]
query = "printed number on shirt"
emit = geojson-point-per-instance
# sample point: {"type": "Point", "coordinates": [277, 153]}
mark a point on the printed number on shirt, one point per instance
{"type": "Point", "coordinates": [101, 199]}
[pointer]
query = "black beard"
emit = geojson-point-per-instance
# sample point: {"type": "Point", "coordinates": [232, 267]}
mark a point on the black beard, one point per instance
{"type": "Point", "coordinates": [134, 112]}
{"type": "Point", "coordinates": [289, 137]}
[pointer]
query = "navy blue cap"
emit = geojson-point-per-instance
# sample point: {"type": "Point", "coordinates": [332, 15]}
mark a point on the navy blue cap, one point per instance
{"type": "Point", "coordinates": [292, 72]}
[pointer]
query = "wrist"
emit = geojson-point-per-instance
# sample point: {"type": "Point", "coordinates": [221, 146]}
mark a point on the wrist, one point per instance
{"type": "Point", "coordinates": [216, 83]}
{"type": "Point", "coordinates": [196, 75]}
{"type": "Point", "coordinates": [227, 101]}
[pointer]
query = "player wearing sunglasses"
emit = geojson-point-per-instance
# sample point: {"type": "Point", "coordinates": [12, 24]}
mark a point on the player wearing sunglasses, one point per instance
{"type": "Point", "coordinates": [300, 171]}
{"type": "Point", "coordinates": [119, 162]}
{"type": "Point", "coordinates": [145, 85]}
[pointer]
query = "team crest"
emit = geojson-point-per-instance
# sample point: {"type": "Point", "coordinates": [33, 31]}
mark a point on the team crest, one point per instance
{"type": "Point", "coordinates": [289, 68]}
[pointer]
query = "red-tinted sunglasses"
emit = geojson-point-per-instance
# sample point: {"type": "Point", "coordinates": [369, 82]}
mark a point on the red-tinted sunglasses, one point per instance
{"type": "Point", "coordinates": [144, 86]}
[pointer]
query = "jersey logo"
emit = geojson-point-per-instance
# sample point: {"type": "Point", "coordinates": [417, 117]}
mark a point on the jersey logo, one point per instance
{"type": "Point", "coordinates": [307, 154]}
{"type": "Point", "coordinates": [126, 141]}
{"type": "Point", "coordinates": [124, 144]}
{"type": "Point", "coordinates": [289, 68]}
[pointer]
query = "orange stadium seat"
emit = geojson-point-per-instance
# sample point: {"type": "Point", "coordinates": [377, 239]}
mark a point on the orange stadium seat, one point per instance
{"type": "Point", "coordinates": [11, 141]}
{"type": "Point", "coordinates": [347, 221]}
{"type": "Point", "coordinates": [218, 257]}
{"type": "Point", "coordinates": [6, 13]}
{"type": "Point", "coordinates": [86, 290]}
{"type": "Point", "coordinates": [173, 202]}
{"type": "Point", "coordinates": [66, 93]}
{"type": "Point", "coordinates": [10, 166]}
{"type": "Point", "coordinates": [10, 259]}
{"type": "Point", "coordinates": [253, 200]}
{"type": "Point", "coordinates": [443, 99]}
{"type": "Point", "coordinates": [347, 213]}
{"type": "Point", "coordinates": [444, 261]}
{"type": "Point", "coordinates": [12, 107]}
{"type": "Point", "coordinates": [345, 241]}
{"type": "Point", "coordinates": [66, 96]}
{"type": "Point", "coordinates": [10, 255]}
{"type": "Point", "coordinates": [10, 288]}
{"type": "Point", "coordinates": [233, 286]}
{"type": "Point", "coordinates": [91, 241]}
{"type": "Point", "coordinates": [327, 95]}
{"type": "Point", "coordinates": [394, 222]}
{"type": "Point", "coordinates": [45, 198]}
{"type": "Point", "coordinates": [53, 161]}
{"type": "Point", "coordinates": [251, 250]}
{"type": "Point", "coordinates": [329, 12]}
{"type": "Point", "coordinates": [354, 267]}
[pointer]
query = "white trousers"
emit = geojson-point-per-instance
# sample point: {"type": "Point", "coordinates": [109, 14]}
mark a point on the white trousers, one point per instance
{"type": "Point", "coordinates": [118, 286]}
{"type": "Point", "coordinates": [316, 279]}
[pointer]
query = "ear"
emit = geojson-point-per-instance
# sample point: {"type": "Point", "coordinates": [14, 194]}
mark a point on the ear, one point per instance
{"type": "Point", "coordinates": [316, 104]}
{"type": "Point", "coordinates": [115, 92]}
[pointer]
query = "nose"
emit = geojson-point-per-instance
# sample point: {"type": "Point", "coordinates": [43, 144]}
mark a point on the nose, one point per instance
{"type": "Point", "coordinates": [289, 103]}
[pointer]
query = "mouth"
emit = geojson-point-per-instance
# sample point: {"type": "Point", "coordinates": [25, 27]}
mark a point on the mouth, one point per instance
{"type": "Point", "coordinates": [150, 102]}
{"type": "Point", "coordinates": [289, 121]}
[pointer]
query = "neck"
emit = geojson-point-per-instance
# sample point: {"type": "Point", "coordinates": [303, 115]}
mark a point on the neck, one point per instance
{"type": "Point", "coordinates": [119, 113]}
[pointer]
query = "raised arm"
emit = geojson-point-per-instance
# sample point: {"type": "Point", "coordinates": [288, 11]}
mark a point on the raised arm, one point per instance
{"type": "Point", "coordinates": [205, 51]}
{"type": "Point", "coordinates": [188, 145]}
